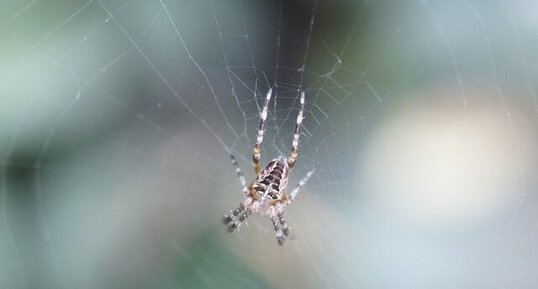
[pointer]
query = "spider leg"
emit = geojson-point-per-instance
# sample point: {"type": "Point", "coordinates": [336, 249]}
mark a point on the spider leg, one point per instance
{"type": "Point", "coordinates": [284, 224]}
{"type": "Point", "coordinates": [237, 216]}
{"type": "Point", "coordinates": [278, 230]}
{"type": "Point", "coordinates": [227, 219]}
{"type": "Point", "coordinates": [280, 225]}
{"type": "Point", "coordinates": [296, 190]}
{"type": "Point", "coordinates": [295, 145]}
{"type": "Point", "coordinates": [239, 219]}
{"type": "Point", "coordinates": [261, 131]}
{"type": "Point", "coordinates": [240, 176]}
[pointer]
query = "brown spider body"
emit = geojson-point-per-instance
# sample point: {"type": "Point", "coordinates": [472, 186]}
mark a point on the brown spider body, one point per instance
{"type": "Point", "coordinates": [267, 194]}
{"type": "Point", "coordinates": [272, 181]}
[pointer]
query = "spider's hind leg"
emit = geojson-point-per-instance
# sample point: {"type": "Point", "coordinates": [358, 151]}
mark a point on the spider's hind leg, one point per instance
{"type": "Point", "coordinates": [296, 133]}
{"type": "Point", "coordinates": [261, 131]}
{"type": "Point", "coordinates": [240, 176]}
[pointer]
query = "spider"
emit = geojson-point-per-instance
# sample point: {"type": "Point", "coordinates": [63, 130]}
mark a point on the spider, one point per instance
{"type": "Point", "coordinates": [267, 195]}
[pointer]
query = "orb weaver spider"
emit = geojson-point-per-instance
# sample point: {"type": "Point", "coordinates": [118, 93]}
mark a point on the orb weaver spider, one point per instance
{"type": "Point", "coordinates": [266, 195]}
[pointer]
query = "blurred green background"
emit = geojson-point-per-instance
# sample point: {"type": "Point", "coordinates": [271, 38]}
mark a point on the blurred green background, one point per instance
{"type": "Point", "coordinates": [117, 119]}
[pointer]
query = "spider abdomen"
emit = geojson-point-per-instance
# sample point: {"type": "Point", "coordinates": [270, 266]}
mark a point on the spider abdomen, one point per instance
{"type": "Point", "coordinates": [272, 180]}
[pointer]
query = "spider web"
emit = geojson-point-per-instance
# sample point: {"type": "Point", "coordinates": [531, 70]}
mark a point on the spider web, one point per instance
{"type": "Point", "coordinates": [117, 119]}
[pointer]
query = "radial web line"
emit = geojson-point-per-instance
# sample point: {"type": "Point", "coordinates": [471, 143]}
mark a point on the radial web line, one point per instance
{"type": "Point", "coordinates": [164, 80]}
{"type": "Point", "coordinates": [204, 75]}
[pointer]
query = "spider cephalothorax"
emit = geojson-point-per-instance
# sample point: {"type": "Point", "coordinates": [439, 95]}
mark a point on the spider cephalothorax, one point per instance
{"type": "Point", "coordinates": [267, 194]}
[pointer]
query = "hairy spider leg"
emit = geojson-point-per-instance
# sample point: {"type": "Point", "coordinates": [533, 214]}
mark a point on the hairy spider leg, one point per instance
{"type": "Point", "coordinates": [237, 216]}
{"type": "Point", "coordinates": [295, 144]}
{"type": "Point", "coordinates": [284, 224]}
{"type": "Point", "coordinates": [278, 230]}
{"type": "Point", "coordinates": [261, 131]}
{"type": "Point", "coordinates": [281, 228]}
{"type": "Point", "coordinates": [240, 176]}
{"type": "Point", "coordinates": [227, 219]}
{"type": "Point", "coordinates": [296, 190]}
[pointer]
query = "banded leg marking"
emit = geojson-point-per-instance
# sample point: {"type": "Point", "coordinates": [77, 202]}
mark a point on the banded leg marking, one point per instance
{"type": "Point", "coordinates": [296, 133]}
{"type": "Point", "coordinates": [240, 176]}
{"type": "Point", "coordinates": [235, 219]}
{"type": "Point", "coordinates": [281, 228]}
{"type": "Point", "coordinates": [299, 186]}
{"type": "Point", "coordinates": [261, 131]}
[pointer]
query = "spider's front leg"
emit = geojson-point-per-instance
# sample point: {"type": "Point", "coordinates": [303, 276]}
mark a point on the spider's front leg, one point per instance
{"type": "Point", "coordinates": [235, 219]}
{"type": "Point", "coordinates": [261, 131]}
{"type": "Point", "coordinates": [281, 228]}
{"type": "Point", "coordinates": [237, 216]}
